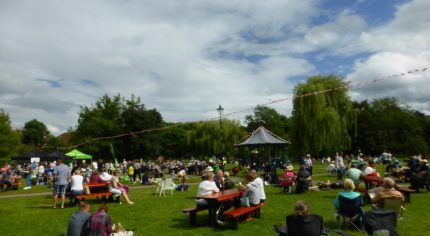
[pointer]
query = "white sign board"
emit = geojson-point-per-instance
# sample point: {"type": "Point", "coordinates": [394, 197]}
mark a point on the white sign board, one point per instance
{"type": "Point", "coordinates": [35, 159]}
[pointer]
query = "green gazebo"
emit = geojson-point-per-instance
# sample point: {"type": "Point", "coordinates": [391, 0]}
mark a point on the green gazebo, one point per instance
{"type": "Point", "coordinates": [264, 138]}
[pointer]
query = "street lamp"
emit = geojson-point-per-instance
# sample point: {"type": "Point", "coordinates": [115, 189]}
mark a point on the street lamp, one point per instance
{"type": "Point", "coordinates": [220, 111]}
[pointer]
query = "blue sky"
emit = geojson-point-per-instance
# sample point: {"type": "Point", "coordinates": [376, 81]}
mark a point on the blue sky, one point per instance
{"type": "Point", "coordinates": [187, 57]}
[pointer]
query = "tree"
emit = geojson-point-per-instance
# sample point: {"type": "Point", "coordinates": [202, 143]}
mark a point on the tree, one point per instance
{"type": "Point", "coordinates": [270, 119]}
{"type": "Point", "coordinates": [8, 138]}
{"type": "Point", "coordinates": [111, 116]}
{"type": "Point", "coordinates": [34, 133]}
{"type": "Point", "coordinates": [386, 124]}
{"type": "Point", "coordinates": [321, 119]}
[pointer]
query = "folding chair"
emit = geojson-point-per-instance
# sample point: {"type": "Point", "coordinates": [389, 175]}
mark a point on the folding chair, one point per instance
{"type": "Point", "coordinates": [168, 185]}
{"type": "Point", "coordinates": [380, 220]}
{"type": "Point", "coordinates": [308, 225]}
{"type": "Point", "coordinates": [394, 204]}
{"type": "Point", "coordinates": [350, 211]}
{"type": "Point", "coordinates": [160, 185]}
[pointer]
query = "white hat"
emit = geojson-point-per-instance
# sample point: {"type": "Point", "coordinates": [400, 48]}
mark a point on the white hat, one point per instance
{"type": "Point", "coordinates": [209, 168]}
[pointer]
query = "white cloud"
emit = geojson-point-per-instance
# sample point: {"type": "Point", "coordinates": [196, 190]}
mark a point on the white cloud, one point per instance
{"type": "Point", "coordinates": [182, 57]}
{"type": "Point", "coordinates": [399, 46]}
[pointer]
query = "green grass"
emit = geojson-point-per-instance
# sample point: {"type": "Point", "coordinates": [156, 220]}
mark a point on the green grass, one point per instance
{"type": "Point", "coordinates": [153, 215]}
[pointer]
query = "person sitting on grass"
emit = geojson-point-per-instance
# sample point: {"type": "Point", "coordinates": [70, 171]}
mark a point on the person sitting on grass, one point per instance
{"type": "Point", "coordinates": [79, 220]}
{"type": "Point", "coordinates": [118, 189]}
{"type": "Point", "coordinates": [184, 184]}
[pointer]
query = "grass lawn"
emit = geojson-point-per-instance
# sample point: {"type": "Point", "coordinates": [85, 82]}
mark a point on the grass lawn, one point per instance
{"type": "Point", "coordinates": [153, 215]}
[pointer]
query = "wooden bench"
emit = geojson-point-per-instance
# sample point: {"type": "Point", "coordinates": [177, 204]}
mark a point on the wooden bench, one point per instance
{"type": "Point", "coordinates": [193, 211]}
{"type": "Point", "coordinates": [240, 211]}
{"type": "Point", "coordinates": [15, 185]}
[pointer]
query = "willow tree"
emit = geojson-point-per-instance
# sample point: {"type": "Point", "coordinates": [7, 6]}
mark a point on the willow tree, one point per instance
{"type": "Point", "coordinates": [322, 111]}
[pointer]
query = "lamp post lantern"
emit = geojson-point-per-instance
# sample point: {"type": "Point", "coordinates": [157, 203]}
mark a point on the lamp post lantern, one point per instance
{"type": "Point", "coordinates": [220, 111]}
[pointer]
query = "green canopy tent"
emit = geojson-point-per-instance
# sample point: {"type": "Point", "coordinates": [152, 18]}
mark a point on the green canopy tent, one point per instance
{"type": "Point", "coordinates": [78, 155]}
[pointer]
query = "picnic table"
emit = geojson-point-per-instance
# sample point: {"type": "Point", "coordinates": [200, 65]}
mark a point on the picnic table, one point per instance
{"type": "Point", "coordinates": [97, 190]}
{"type": "Point", "coordinates": [379, 180]}
{"type": "Point", "coordinates": [214, 198]}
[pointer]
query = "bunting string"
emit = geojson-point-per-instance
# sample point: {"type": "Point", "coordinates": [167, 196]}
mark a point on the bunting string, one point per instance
{"type": "Point", "coordinates": [356, 85]}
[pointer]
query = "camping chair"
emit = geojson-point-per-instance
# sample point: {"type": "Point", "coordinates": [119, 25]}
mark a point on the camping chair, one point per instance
{"type": "Point", "coordinates": [380, 220]}
{"type": "Point", "coordinates": [394, 204]}
{"type": "Point", "coordinates": [308, 225]}
{"type": "Point", "coordinates": [168, 185]}
{"type": "Point", "coordinates": [160, 184]}
{"type": "Point", "coordinates": [350, 211]}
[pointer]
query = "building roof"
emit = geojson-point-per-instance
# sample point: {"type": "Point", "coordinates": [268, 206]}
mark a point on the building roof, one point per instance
{"type": "Point", "coordinates": [262, 136]}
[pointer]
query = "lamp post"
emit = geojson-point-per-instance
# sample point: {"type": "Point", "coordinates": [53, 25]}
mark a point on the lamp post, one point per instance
{"type": "Point", "coordinates": [220, 111]}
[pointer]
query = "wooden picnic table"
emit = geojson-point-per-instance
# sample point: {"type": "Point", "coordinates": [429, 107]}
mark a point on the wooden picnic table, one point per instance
{"type": "Point", "coordinates": [214, 198]}
{"type": "Point", "coordinates": [379, 180]}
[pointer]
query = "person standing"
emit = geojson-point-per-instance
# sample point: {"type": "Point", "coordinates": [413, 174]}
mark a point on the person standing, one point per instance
{"type": "Point", "coordinates": [340, 166]}
{"type": "Point", "coordinates": [61, 175]}
{"type": "Point", "coordinates": [79, 220]}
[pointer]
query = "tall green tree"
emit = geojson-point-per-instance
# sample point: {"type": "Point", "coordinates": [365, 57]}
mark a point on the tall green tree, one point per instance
{"type": "Point", "coordinates": [8, 138]}
{"type": "Point", "coordinates": [321, 119]}
{"type": "Point", "coordinates": [35, 133]}
{"type": "Point", "coordinates": [270, 119]}
{"type": "Point", "coordinates": [203, 139]}
{"type": "Point", "coordinates": [111, 116]}
{"type": "Point", "coordinates": [386, 124]}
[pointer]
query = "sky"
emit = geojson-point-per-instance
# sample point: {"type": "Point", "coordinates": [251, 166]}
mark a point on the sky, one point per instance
{"type": "Point", "coordinates": [185, 58]}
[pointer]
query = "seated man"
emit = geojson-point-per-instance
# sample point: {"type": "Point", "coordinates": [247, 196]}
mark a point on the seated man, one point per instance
{"type": "Point", "coordinates": [303, 180]}
{"type": "Point", "coordinates": [354, 173]}
{"type": "Point", "coordinates": [301, 223]}
{"type": "Point", "coordinates": [387, 191]}
{"type": "Point", "coordinates": [78, 220]}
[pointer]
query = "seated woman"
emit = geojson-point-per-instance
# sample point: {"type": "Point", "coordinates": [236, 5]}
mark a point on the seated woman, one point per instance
{"type": "Point", "coordinates": [303, 224]}
{"type": "Point", "coordinates": [252, 191]}
{"type": "Point", "coordinates": [95, 178]}
{"type": "Point", "coordinates": [287, 179]}
{"type": "Point", "coordinates": [117, 188]}
{"type": "Point", "coordinates": [77, 181]}
{"type": "Point", "coordinates": [348, 193]}
{"type": "Point", "coordinates": [207, 186]}
{"type": "Point", "coordinates": [184, 184]}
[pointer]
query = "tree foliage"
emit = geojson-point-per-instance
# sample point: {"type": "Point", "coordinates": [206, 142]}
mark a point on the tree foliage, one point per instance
{"type": "Point", "coordinates": [111, 116]}
{"type": "Point", "coordinates": [321, 121]}
{"type": "Point", "coordinates": [270, 119]}
{"type": "Point", "coordinates": [8, 138]}
{"type": "Point", "coordinates": [35, 133]}
{"type": "Point", "coordinates": [386, 124]}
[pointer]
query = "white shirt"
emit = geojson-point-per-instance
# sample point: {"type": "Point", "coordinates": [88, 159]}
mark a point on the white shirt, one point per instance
{"type": "Point", "coordinates": [206, 187]}
{"type": "Point", "coordinates": [77, 182]}
{"type": "Point", "coordinates": [105, 176]}
{"type": "Point", "coordinates": [260, 185]}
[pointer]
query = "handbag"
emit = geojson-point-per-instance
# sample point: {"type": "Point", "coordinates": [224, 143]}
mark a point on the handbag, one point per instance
{"type": "Point", "coordinates": [244, 201]}
{"type": "Point", "coordinates": [86, 189]}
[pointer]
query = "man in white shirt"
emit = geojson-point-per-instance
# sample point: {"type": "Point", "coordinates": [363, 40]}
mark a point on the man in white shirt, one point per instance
{"type": "Point", "coordinates": [260, 184]}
